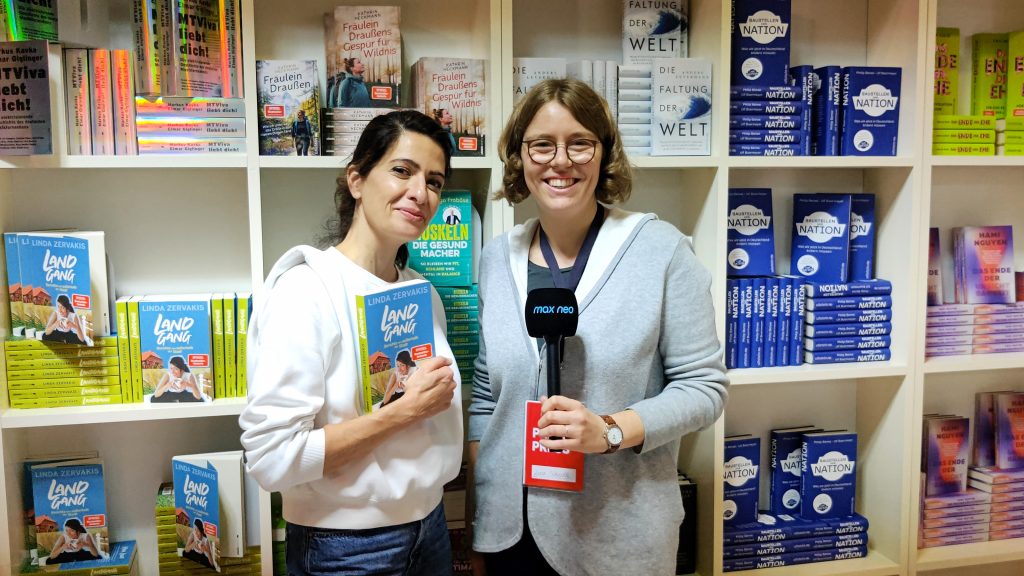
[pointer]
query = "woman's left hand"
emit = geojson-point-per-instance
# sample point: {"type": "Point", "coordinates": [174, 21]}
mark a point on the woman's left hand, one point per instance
{"type": "Point", "coordinates": [577, 428]}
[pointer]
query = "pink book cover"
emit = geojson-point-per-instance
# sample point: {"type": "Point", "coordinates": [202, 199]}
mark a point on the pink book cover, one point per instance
{"type": "Point", "coordinates": [1009, 418]}
{"type": "Point", "coordinates": [988, 265]}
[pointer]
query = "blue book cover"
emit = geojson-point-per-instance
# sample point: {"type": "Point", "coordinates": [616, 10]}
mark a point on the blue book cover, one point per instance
{"type": "Point", "coordinates": [852, 524]}
{"type": "Point", "coordinates": [871, 111]}
{"type": "Point", "coordinates": [849, 303]}
{"type": "Point", "coordinates": [396, 330]}
{"type": "Point", "coordinates": [741, 479]}
{"type": "Point", "coordinates": [775, 527]}
{"type": "Point", "coordinates": [760, 42]}
{"type": "Point", "coordinates": [821, 239]}
{"type": "Point", "coordinates": [804, 78]}
{"type": "Point", "coordinates": [876, 287]}
{"type": "Point", "coordinates": [794, 545]}
{"type": "Point", "coordinates": [176, 348]}
{"type": "Point", "coordinates": [782, 357]}
{"type": "Point", "coordinates": [766, 107]}
{"type": "Point", "coordinates": [746, 321]}
{"type": "Point", "coordinates": [796, 323]}
{"type": "Point", "coordinates": [197, 512]}
{"type": "Point", "coordinates": [843, 356]}
{"type": "Point", "coordinates": [784, 452]}
{"type": "Point", "coordinates": [1008, 410]}
{"type": "Point", "coordinates": [765, 137]}
{"type": "Point", "coordinates": [14, 283]}
{"type": "Point", "coordinates": [771, 327]}
{"type": "Point", "coordinates": [794, 558]}
{"type": "Point", "coordinates": [847, 343]}
{"type": "Point", "coordinates": [826, 111]}
{"type": "Point", "coordinates": [847, 330]}
{"type": "Point", "coordinates": [764, 149]}
{"type": "Point", "coordinates": [443, 254]}
{"type": "Point", "coordinates": [849, 316]}
{"type": "Point", "coordinates": [862, 237]}
{"type": "Point", "coordinates": [750, 238]}
{"type": "Point", "coordinates": [763, 122]}
{"type": "Point", "coordinates": [732, 323]}
{"type": "Point", "coordinates": [760, 322]}
{"type": "Point", "coordinates": [762, 92]}
{"type": "Point", "coordinates": [60, 304]}
{"type": "Point", "coordinates": [828, 475]}
{"type": "Point", "coordinates": [120, 560]}
{"type": "Point", "coordinates": [70, 504]}
{"type": "Point", "coordinates": [946, 455]}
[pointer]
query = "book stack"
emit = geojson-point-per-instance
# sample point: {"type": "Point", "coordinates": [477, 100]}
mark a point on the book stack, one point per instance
{"type": "Point", "coordinates": [849, 322]}
{"type": "Point", "coordinates": [784, 540]}
{"type": "Point", "coordinates": [528, 72]}
{"type": "Point", "coordinates": [123, 559]}
{"type": "Point", "coordinates": [44, 375]}
{"type": "Point", "coordinates": [195, 126]}
{"type": "Point", "coordinates": [1006, 488]}
{"type": "Point", "coordinates": [601, 75]}
{"type": "Point", "coordinates": [453, 92]}
{"type": "Point", "coordinates": [956, 518]}
{"type": "Point", "coordinates": [957, 329]}
{"type": "Point", "coordinates": [954, 134]}
{"type": "Point", "coordinates": [100, 104]}
{"type": "Point", "coordinates": [284, 89]}
{"type": "Point", "coordinates": [342, 127]}
{"type": "Point", "coordinates": [445, 255]}
{"type": "Point", "coordinates": [634, 116]}
{"type": "Point", "coordinates": [1010, 136]}
{"type": "Point", "coordinates": [959, 135]}
{"type": "Point", "coordinates": [686, 556]}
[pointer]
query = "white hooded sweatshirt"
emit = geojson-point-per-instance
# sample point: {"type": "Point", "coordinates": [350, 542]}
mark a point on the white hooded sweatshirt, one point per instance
{"type": "Point", "coordinates": [303, 369]}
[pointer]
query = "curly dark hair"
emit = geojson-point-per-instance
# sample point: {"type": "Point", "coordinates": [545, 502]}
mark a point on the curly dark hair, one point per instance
{"type": "Point", "coordinates": [378, 137]}
{"type": "Point", "coordinates": [615, 181]}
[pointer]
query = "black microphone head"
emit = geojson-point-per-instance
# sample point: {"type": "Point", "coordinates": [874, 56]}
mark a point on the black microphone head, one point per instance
{"type": "Point", "coordinates": [551, 312]}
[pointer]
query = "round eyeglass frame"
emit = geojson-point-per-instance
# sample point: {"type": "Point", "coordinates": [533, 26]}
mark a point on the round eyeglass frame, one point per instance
{"type": "Point", "coordinates": [593, 151]}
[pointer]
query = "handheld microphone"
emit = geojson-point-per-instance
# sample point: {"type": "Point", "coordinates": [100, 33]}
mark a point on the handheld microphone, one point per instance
{"type": "Point", "coordinates": [552, 314]}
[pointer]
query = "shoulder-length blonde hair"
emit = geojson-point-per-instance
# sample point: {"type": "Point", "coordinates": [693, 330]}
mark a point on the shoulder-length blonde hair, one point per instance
{"type": "Point", "coordinates": [616, 177]}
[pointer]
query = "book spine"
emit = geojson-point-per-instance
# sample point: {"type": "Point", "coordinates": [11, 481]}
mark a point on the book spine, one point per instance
{"type": "Point", "coordinates": [796, 343]}
{"type": "Point", "coordinates": [805, 78]}
{"type": "Point", "coordinates": [843, 356]}
{"type": "Point", "coordinates": [612, 86]}
{"type": "Point", "coordinates": [784, 356]}
{"type": "Point", "coordinates": [102, 108]}
{"type": "Point", "coordinates": [733, 323]}
{"type": "Point", "coordinates": [145, 47]}
{"type": "Point", "coordinates": [947, 70]}
{"type": "Point", "coordinates": [217, 321]}
{"type": "Point", "coordinates": [771, 332]}
{"type": "Point", "coordinates": [123, 101]}
{"type": "Point", "coordinates": [764, 149]}
{"type": "Point", "coordinates": [988, 74]}
{"type": "Point", "coordinates": [759, 321]}
{"type": "Point", "coordinates": [847, 343]}
{"type": "Point", "coordinates": [167, 45]}
{"type": "Point", "coordinates": [963, 149]}
{"type": "Point", "coordinates": [847, 330]}
{"type": "Point", "coordinates": [746, 322]}
{"type": "Point", "coordinates": [135, 347]}
{"type": "Point", "coordinates": [854, 288]}
{"type": "Point", "coordinates": [763, 122]}
{"type": "Point", "coordinates": [78, 92]}
{"type": "Point", "coordinates": [123, 350]}
{"type": "Point", "coordinates": [364, 359]}
{"type": "Point", "coordinates": [212, 128]}
{"type": "Point", "coordinates": [765, 136]}
{"type": "Point", "coordinates": [767, 107]}
{"type": "Point", "coordinates": [956, 122]}
{"type": "Point", "coordinates": [849, 316]}
{"type": "Point", "coordinates": [761, 92]}
{"type": "Point", "coordinates": [230, 377]}
{"type": "Point", "coordinates": [242, 315]}
{"type": "Point", "coordinates": [963, 136]}
{"type": "Point", "coordinates": [849, 303]}
{"type": "Point", "coordinates": [198, 108]}
{"type": "Point", "coordinates": [184, 145]}
{"type": "Point", "coordinates": [231, 49]}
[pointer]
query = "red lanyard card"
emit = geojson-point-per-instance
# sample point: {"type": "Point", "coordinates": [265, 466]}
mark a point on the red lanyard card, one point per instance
{"type": "Point", "coordinates": [544, 468]}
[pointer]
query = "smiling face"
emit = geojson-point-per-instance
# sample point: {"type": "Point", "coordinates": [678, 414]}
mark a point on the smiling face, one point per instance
{"type": "Point", "coordinates": [400, 195]}
{"type": "Point", "coordinates": [562, 189]}
{"type": "Point", "coordinates": [175, 371]}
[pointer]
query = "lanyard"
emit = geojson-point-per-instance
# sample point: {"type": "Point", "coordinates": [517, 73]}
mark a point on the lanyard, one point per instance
{"type": "Point", "coordinates": [581, 258]}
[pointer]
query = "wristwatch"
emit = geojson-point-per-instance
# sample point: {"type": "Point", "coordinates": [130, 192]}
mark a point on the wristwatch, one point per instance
{"type": "Point", "coordinates": [612, 434]}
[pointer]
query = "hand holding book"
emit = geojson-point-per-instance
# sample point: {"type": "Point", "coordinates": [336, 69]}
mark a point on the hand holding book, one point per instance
{"type": "Point", "coordinates": [428, 391]}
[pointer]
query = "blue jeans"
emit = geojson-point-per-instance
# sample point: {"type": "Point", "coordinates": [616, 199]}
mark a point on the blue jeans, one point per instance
{"type": "Point", "coordinates": [419, 548]}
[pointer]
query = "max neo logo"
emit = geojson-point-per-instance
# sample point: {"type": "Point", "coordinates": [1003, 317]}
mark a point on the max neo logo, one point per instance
{"type": "Point", "coordinates": [553, 310]}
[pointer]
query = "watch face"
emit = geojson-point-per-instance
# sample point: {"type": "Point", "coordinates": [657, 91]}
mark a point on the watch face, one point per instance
{"type": "Point", "coordinates": [614, 436]}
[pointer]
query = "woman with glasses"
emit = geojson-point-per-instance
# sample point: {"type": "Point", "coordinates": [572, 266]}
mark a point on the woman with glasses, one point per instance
{"type": "Point", "coordinates": [644, 368]}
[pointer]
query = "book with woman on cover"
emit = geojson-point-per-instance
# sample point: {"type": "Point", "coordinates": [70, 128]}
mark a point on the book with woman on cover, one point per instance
{"type": "Point", "coordinates": [396, 330]}
{"type": "Point", "coordinates": [70, 505]}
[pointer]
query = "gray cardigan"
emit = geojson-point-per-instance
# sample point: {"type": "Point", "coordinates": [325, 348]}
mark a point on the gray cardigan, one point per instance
{"type": "Point", "coordinates": [646, 341]}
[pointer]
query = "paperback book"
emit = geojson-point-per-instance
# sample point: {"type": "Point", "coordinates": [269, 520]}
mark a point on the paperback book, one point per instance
{"type": "Point", "coordinates": [443, 254]}
{"type": "Point", "coordinates": [70, 505]}
{"type": "Point", "coordinates": [828, 475]}
{"type": "Point", "coordinates": [25, 104]}
{"type": "Point", "coordinates": [946, 455]}
{"type": "Point", "coordinates": [528, 72]}
{"type": "Point", "coordinates": [871, 111]}
{"type": "Point", "coordinates": [196, 50]}
{"type": "Point", "coordinates": [681, 121]}
{"type": "Point", "coordinates": [288, 107]}
{"type": "Point", "coordinates": [741, 479]}
{"type": "Point", "coordinates": [364, 56]}
{"type": "Point", "coordinates": [751, 236]}
{"type": "Point", "coordinates": [988, 74]}
{"type": "Point", "coordinates": [760, 42]}
{"type": "Point", "coordinates": [785, 454]}
{"type": "Point", "coordinates": [821, 240]}
{"type": "Point", "coordinates": [652, 30]}
{"type": "Point", "coordinates": [453, 92]}
{"type": "Point", "coordinates": [947, 71]}
{"type": "Point", "coordinates": [176, 348]}
{"type": "Point", "coordinates": [197, 508]}
{"type": "Point", "coordinates": [1008, 410]}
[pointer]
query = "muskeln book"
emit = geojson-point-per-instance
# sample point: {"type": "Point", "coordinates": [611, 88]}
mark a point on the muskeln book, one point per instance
{"type": "Point", "coordinates": [70, 504]}
{"type": "Point", "coordinates": [443, 254]}
{"type": "Point", "coordinates": [989, 55]}
{"type": "Point", "coordinates": [681, 104]}
{"type": "Point", "coordinates": [364, 56]}
{"type": "Point", "coordinates": [760, 42]}
{"type": "Point", "coordinates": [751, 237]}
{"type": "Point", "coordinates": [934, 268]}
{"type": "Point", "coordinates": [871, 111]}
{"type": "Point", "coordinates": [652, 30]}
{"type": "Point", "coordinates": [528, 72]}
{"type": "Point", "coordinates": [453, 92]}
{"type": "Point", "coordinates": [197, 506]}
{"type": "Point", "coordinates": [945, 459]}
{"type": "Point", "coordinates": [176, 348]}
{"type": "Point", "coordinates": [288, 107]}
{"type": "Point", "coordinates": [784, 453]}
{"type": "Point", "coordinates": [26, 129]}
{"type": "Point", "coordinates": [396, 330]}
{"type": "Point", "coordinates": [1008, 409]}
{"type": "Point", "coordinates": [741, 479]}
{"type": "Point", "coordinates": [828, 475]}
{"type": "Point", "coordinates": [821, 240]}
{"type": "Point", "coordinates": [947, 71]}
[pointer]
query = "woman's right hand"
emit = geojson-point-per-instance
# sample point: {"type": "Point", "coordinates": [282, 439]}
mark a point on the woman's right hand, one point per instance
{"type": "Point", "coordinates": [428, 392]}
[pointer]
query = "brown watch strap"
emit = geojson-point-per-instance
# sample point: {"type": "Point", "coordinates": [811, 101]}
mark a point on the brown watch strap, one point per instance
{"type": "Point", "coordinates": [610, 422]}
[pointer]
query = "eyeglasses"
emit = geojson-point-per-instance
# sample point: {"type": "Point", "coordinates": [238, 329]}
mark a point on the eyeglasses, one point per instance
{"type": "Point", "coordinates": [579, 150]}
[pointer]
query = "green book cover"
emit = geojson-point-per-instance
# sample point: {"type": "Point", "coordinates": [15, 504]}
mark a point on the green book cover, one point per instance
{"type": "Point", "coordinates": [959, 136]}
{"type": "Point", "coordinates": [64, 382]}
{"type": "Point", "coordinates": [66, 402]}
{"type": "Point", "coordinates": [74, 392]}
{"type": "Point", "coordinates": [242, 313]}
{"type": "Point", "coordinates": [963, 149]}
{"type": "Point", "coordinates": [217, 319]}
{"type": "Point", "coordinates": [988, 74]}
{"type": "Point", "coordinates": [123, 348]}
{"type": "Point", "coordinates": [951, 122]}
{"type": "Point", "coordinates": [1010, 150]}
{"type": "Point", "coordinates": [47, 363]}
{"type": "Point", "coordinates": [1015, 76]}
{"type": "Point", "coordinates": [61, 373]}
{"type": "Point", "coordinates": [947, 70]}
{"type": "Point", "coordinates": [29, 19]}
{"type": "Point", "coordinates": [443, 254]}
{"type": "Point", "coordinates": [1009, 124]}
{"type": "Point", "coordinates": [135, 346]}
{"type": "Point", "coordinates": [63, 353]}
{"type": "Point", "coordinates": [230, 382]}
{"type": "Point", "coordinates": [1011, 137]}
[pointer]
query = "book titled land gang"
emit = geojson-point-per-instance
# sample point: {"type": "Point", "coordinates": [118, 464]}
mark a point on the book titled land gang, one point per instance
{"type": "Point", "coordinates": [681, 122]}
{"type": "Point", "coordinates": [871, 111]}
{"type": "Point", "coordinates": [751, 237]}
{"type": "Point", "coordinates": [828, 475]}
{"type": "Point", "coordinates": [197, 504]}
{"type": "Point", "coordinates": [946, 455]}
{"type": "Point", "coordinates": [761, 42]}
{"type": "Point", "coordinates": [443, 254]}
{"type": "Point", "coordinates": [741, 479]}
{"type": "Point", "coordinates": [396, 330]}
{"type": "Point", "coordinates": [654, 29]}
{"type": "Point", "coordinates": [26, 129]}
{"type": "Point", "coordinates": [453, 92]}
{"type": "Point", "coordinates": [176, 348]}
{"type": "Point", "coordinates": [528, 72]}
{"type": "Point", "coordinates": [821, 240]}
{"type": "Point", "coordinates": [70, 504]}
{"type": "Point", "coordinates": [283, 89]}
{"type": "Point", "coordinates": [364, 56]}
{"type": "Point", "coordinates": [784, 456]}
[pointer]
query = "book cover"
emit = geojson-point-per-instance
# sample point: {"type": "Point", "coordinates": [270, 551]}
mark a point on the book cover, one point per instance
{"type": "Point", "coordinates": [70, 511]}
{"type": "Point", "coordinates": [760, 42]}
{"type": "Point", "coordinates": [443, 254]}
{"type": "Point", "coordinates": [195, 64]}
{"type": "Point", "coordinates": [751, 236]}
{"type": "Point", "coordinates": [364, 56]}
{"type": "Point", "coordinates": [288, 107]}
{"type": "Point", "coordinates": [134, 347]}
{"type": "Point", "coordinates": [821, 240]}
{"type": "Point", "coordinates": [947, 71]}
{"type": "Point", "coordinates": [197, 511]}
{"type": "Point", "coordinates": [794, 545]}
{"type": "Point", "coordinates": [30, 20]}
{"type": "Point", "coordinates": [989, 55]}
{"type": "Point", "coordinates": [146, 47]}
{"type": "Point", "coordinates": [652, 30]}
{"type": "Point", "coordinates": [1008, 410]}
{"type": "Point", "coordinates": [946, 456]}
{"type": "Point", "coordinates": [793, 558]}
{"type": "Point", "coordinates": [784, 456]}
{"type": "Point", "coordinates": [828, 475]}
{"type": "Point", "coordinates": [27, 128]}
{"type": "Point", "coordinates": [100, 100]}
{"type": "Point", "coordinates": [453, 91]}
{"type": "Point", "coordinates": [992, 475]}
{"type": "Point", "coordinates": [766, 107]}
{"type": "Point", "coordinates": [871, 111]}
{"type": "Point", "coordinates": [681, 104]}
{"type": "Point", "coordinates": [742, 461]}
{"type": "Point", "coordinates": [862, 237]}
{"type": "Point", "coordinates": [396, 330]}
{"type": "Point", "coordinates": [988, 264]}
{"type": "Point", "coordinates": [176, 348]}
{"type": "Point", "coordinates": [78, 98]}
{"type": "Point", "coordinates": [528, 72]}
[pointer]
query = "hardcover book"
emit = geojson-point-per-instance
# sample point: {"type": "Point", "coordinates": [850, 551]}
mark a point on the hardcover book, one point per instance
{"type": "Point", "coordinates": [652, 30]}
{"type": "Point", "coordinates": [934, 268]}
{"type": "Point", "coordinates": [453, 91]}
{"type": "Point", "coordinates": [70, 511]}
{"type": "Point", "coordinates": [984, 452]}
{"type": "Point", "coordinates": [396, 329]}
{"type": "Point", "coordinates": [947, 70]}
{"type": "Point", "coordinates": [193, 108]}
{"type": "Point", "coordinates": [821, 240]}
{"type": "Point", "coordinates": [78, 101]}
{"type": "Point", "coordinates": [760, 42]}
{"type": "Point", "coordinates": [528, 72]}
{"type": "Point", "coordinates": [1008, 410]}
{"type": "Point", "coordinates": [364, 56]}
{"type": "Point", "coordinates": [946, 456]}
{"type": "Point", "coordinates": [681, 121]}
{"type": "Point", "coordinates": [862, 237]}
{"type": "Point", "coordinates": [742, 461]}
{"type": "Point", "coordinates": [844, 356]}
{"type": "Point", "coordinates": [101, 104]}
{"type": "Point", "coordinates": [176, 348]}
{"type": "Point", "coordinates": [197, 508]}
{"type": "Point", "coordinates": [875, 287]}
{"type": "Point", "coordinates": [871, 111]}
{"type": "Point", "coordinates": [828, 475]}
{"type": "Point", "coordinates": [26, 129]}
{"type": "Point", "coordinates": [849, 303]}
{"type": "Point", "coordinates": [826, 112]}
{"type": "Point", "coordinates": [288, 107]}
{"type": "Point", "coordinates": [784, 455]}
{"type": "Point", "coordinates": [751, 236]}
{"type": "Point", "coordinates": [146, 47]}
{"type": "Point", "coordinates": [988, 74]}
{"type": "Point", "coordinates": [987, 265]}
{"type": "Point", "coordinates": [196, 59]}
{"type": "Point", "coordinates": [443, 254]}
{"type": "Point", "coordinates": [123, 102]}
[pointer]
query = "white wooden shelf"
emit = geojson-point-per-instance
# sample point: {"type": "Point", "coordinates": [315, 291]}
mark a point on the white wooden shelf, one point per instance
{"type": "Point", "coordinates": [977, 554]}
{"type": "Point", "coordinates": [822, 162]}
{"type": "Point", "coordinates": [815, 373]}
{"type": "Point", "coordinates": [136, 162]}
{"type": "Point", "coordinates": [974, 362]}
{"type": "Point", "coordinates": [983, 161]}
{"type": "Point", "coordinates": [52, 417]}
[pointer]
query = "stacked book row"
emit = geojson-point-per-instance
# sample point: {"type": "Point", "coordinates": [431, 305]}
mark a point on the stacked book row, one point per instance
{"type": "Point", "coordinates": [991, 508]}
{"type": "Point", "coordinates": [958, 329]}
{"type": "Point", "coordinates": [764, 321]}
{"type": "Point", "coordinates": [44, 375]}
{"type": "Point", "coordinates": [849, 322]}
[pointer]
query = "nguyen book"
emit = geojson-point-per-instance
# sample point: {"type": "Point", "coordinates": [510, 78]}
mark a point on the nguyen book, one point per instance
{"type": "Point", "coordinates": [364, 56]}
{"type": "Point", "coordinates": [288, 107]}
{"type": "Point", "coordinates": [1008, 409]}
{"type": "Point", "coordinates": [988, 274]}
{"type": "Point", "coordinates": [70, 511]}
{"type": "Point", "coordinates": [453, 91]}
{"type": "Point", "coordinates": [654, 29]}
{"type": "Point", "coordinates": [176, 348]}
{"type": "Point", "coordinates": [946, 455]}
{"type": "Point", "coordinates": [396, 329]}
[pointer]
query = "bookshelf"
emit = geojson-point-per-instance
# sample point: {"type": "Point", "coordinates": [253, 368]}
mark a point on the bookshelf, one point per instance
{"type": "Point", "coordinates": [216, 223]}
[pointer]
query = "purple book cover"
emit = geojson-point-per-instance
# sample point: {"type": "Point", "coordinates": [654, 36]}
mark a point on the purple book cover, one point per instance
{"type": "Point", "coordinates": [946, 458]}
{"type": "Point", "coordinates": [934, 268]}
{"type": "Point", "coordinates": [984, 453]}
{"type": "Point", "coordinates": [988, 262]}
{"type": "Point", "coordinates": [1009, 418]}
